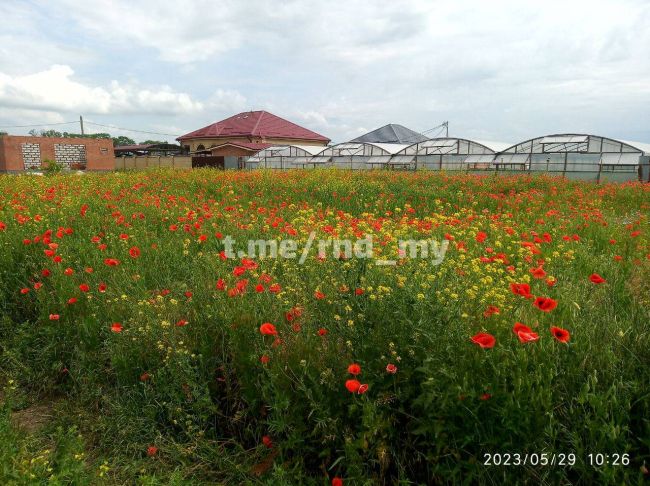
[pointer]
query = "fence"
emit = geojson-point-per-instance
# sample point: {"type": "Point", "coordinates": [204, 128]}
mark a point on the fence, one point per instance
{"type": "Point", "coordinates": [151, 162]}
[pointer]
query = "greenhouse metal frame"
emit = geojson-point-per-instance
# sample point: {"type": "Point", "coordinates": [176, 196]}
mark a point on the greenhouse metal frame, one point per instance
{"type": "Point", "coordinates": [577, 156]}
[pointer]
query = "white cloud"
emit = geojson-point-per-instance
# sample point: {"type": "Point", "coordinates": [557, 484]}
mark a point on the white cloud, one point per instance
{"type": "Point", "coordinates": [499, 69]}
{"type": "Point", "coordinates": [55, 90]}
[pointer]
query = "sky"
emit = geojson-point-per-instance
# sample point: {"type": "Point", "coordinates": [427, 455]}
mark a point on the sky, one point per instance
{"type": "Point", "coordinates": [497, 70]}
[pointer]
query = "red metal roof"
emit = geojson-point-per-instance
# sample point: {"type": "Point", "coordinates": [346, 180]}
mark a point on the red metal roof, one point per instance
{"type": "Point", "coordinates": [255, 124]}
{"type": "Point", "coordinates": [245, 145]}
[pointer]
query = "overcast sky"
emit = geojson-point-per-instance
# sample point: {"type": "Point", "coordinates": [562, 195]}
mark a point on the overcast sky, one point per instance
{"type": "Point", "coordinates": [497, 70]}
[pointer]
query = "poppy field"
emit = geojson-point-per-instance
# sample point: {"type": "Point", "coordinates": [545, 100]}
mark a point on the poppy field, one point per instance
{"type": "Point", "coordinates": [135, 350]}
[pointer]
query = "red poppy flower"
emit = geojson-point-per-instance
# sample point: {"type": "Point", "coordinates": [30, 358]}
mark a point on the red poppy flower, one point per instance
{"type": "Point", "coordinates": [84, 287]}
{"type": "Point", "coordinates": [362, 389]}
{"type": "Point", "coordinates": [353, 385]}
{"type": "Point", "coordinates": [484, 340]}
{"type": "Point", "coordinates": [524, 333]}
{"type": "Point", "coordinates": [264, 359]}
{"type": "Point", "coordinates": [145, 376]}
{"type": "Point", "coordinates": [391, 368]}
{"type": "Point", "coordinates": [322, 332]}
{"type": "Point", "coordinates": [182, 323]}
{"type": "Point", "coordinates": [354, 369]}
{"type": "Point", "coordinates": [560, 334]}
{"type": "Point", "coordinates": [151, 451]}
{"type": "Point", "coordinates": [275, 288]}
{"type": "Point", "coordinates": [545, 304]}
{"type": "Point", "coordinates": [336, 481]}
{"type": "Point", "coordinates": [491, 309]}
{"type": "Point", "coordinates": [597, 279]}
{"type": "Point", "coordinates": [522, 289]}
{"type": "Point", "coordinates": [188, 294]}
{"type": "Point", "coordinates": [124, 236]}
{"type": "Point", "coordinates": [520, 327]}
{"type": "Point", "coordinates": [538, 272]}
{"type": "Point", "coordinates": [72, 300]}
{"type": "Point", "coordinates": [111, 262]}
{"type": "Point", "coordinates": [358, 291]}
{"type": "Point", "coordinates": [54, 317]}
{"type": "Point", "coordinates": [46, 273]}
{"type": "Point", "coordinates": [221, 284]}
{"type": "Point", "coordinates": [259, 288]}
{"type": "Point", "coordinates": [266, 440]}
{"type": "Point", "coordinates": [37, 285]}
{"type": "Point", "coordinates": [134, 252]}
{"type": "Point", "coordinates": [268, 329]}
{"type": "Point", "coordinates": [485, 396]}
{"type": "Point", "coordinates": [24, 291]}
{"type": "Point", "coordinates": [481, 236]}
{"type": "Point", "coordinates": [68, 271]}
{"type": "Point", "coordinates": [319, 295]}
{"type": "Point", "coordinates": [102, 287]}
{"type": "Point", "coordinates": [116, 327]}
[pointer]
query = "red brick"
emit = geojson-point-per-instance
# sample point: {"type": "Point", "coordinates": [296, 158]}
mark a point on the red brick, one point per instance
{"type": "Point", "coordinates": [99, 152]}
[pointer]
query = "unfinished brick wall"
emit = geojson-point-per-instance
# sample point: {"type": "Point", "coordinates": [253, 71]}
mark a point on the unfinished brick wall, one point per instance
{"type": "Point", "coordinates": [31, 155]}
{"type": "Point", "coordinates": [68, 154]}
{"type": "Point", "coordinates": [18, 153]}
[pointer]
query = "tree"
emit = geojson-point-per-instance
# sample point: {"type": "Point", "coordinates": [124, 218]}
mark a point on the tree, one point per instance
{"type": "Point", "coordinates": [152, 142]}
{"type": "Point", "coordinates": [45, 133]}
{"type": "Point", "coordinates": [87, 135]}
{"type": "Point", "coordinates": [123, 140]}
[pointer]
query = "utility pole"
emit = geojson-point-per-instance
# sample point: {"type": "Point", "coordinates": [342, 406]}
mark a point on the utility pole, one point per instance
{"type": "Point", "coordinates": [81, 123]}
{"type": "Point", "coordinates": [446, 125]}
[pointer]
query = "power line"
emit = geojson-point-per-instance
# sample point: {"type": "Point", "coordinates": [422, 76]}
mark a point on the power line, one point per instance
{"type": "Point", "coordinates": [131, 130]}
{"type": "Point", "coordinates": [39, 125]}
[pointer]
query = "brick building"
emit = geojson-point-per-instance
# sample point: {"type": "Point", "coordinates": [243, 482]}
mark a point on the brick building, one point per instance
{"type": "Point", "coordinates": [229, 142]}
{"type": "Point", "coordinates": [19, 153]}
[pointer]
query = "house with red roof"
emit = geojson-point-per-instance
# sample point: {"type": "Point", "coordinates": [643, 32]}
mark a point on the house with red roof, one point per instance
{"type": "Point", "coordinates": [229, 142]}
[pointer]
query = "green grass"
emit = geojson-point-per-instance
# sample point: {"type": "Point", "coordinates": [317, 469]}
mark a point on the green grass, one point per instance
{"type": "Point", "coordinates": [200, 394]}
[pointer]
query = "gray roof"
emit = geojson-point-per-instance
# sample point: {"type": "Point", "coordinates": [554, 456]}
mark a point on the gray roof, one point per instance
{"type": "Point", "coordinates": [391, 133]}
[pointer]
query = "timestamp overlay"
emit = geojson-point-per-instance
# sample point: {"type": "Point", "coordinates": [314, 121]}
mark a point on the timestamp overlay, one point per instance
{"type": "Point", "coordinates": [559, 459]}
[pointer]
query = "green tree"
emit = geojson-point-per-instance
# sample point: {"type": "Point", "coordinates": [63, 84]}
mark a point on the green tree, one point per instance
{"type": "Point", "coordinates": [153, 142]}
{"type": "Point", "coordinates": [123, 140]}
{"type": "Point", "coordinates": [45, 133]}
{"type": "Point", "coordinates": [86, 135]}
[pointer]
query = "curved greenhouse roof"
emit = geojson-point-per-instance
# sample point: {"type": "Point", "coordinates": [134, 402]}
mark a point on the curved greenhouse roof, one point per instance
{"type": "Point", "coordinates": [577, 155]}
{"type": "Point", "coordinates": [571, 142]}
{"type": "Point", "coordinates": [446, 153]}
{"type": "Point", "coordinates": [358, 155]}
{"type": "Point", "coordinates": [283, 156]}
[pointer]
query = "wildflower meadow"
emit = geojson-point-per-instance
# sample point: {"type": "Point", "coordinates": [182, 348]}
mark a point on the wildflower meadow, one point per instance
{"type": "Point", "coordinates": [134, 349]}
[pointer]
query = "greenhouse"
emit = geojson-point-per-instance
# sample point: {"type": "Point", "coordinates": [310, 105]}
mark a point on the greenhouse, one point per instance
{"type": "Point", "coordinates": [577, 156]}
{"type": "Point", "coordinates": [356, 155]}
{"type": "Point", "coordinates": [283, 157]}
{"type": "Point", "coordinates": [446, 154]}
